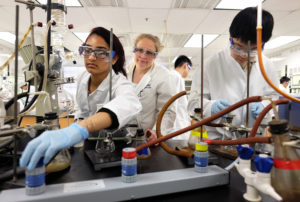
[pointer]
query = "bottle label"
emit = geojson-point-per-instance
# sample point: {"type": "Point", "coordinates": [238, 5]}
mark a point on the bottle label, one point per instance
{"type": "Point", "coordinates": [201, 162]}
{"type": "Point", "coordinates": [129, 170]}
{"type": "Point", "coordinates": [288, 165]}
{"type": "Point", "coordinates": [35, 180]}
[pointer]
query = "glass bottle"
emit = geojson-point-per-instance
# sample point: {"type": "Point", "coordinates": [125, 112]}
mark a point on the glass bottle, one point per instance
{"type": "Point", "coordinates": [141, 139]}
{"type": "Point", "coordinates": [63, 158]}
{"type": "Point", "coordinates": [195, 134]}
{"type": "Point", "coordinates": [285, 175]}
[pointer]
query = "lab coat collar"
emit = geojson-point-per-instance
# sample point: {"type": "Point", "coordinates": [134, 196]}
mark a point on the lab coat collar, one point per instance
{"type": "Point", "coordinates": [144, 81]}
{"type": "Point", "coordinates": [104, 85]}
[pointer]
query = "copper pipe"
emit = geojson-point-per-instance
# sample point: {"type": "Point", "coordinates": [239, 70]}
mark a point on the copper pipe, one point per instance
{"type": "Point", "coordinates": [195, 125]}
{"type": "Point", "coordinates": [158, 129]}
{"type": "Point", "coordinates": [259, 47]}
{"type": "Point", "coordinates": [263, 113]}
{"type": "Point", "coordinates": [215, 124]}
{"type": "Point", "coordinates": [240, 141]}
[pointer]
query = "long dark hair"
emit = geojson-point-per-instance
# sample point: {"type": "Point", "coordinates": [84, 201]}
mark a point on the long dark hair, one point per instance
{"type": "Point", "coordinates": [117, 47]}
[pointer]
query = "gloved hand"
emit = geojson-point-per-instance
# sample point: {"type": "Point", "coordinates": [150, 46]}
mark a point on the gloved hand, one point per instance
{"type": "Point", "coordinates": [151, 135]}
{"type": "Point", "coordinates": [218, 106]}
{"type": "Point", "coordinates": [256, 108]}
{"type": "Point", "coordinates": [50, 142]}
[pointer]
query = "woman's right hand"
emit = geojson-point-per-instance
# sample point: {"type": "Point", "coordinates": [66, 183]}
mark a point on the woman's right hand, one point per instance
{"type": "Point", "coordinates": [151, 136]}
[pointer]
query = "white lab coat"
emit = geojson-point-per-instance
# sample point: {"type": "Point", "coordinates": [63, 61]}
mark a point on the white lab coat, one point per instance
{"type": "Point", "coordinates": [225, 79]}
{"type": "Point", "coordinates": [124, 103]}
{"type": "Point", "coordinates": [154, 90]}
{"type": "Point", "coordinates": [284, 89]}
{"type": "Point", "coordinates": [182, 118]}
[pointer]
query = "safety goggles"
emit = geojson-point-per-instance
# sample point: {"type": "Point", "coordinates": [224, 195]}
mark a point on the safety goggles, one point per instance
{"type": "Point", "coordinates": [189, 66]}
{"type": "Point", "coordinates": [241, 51]}
{"type": "Point", "coordinates": [141, 51]}
{"type": "Point", "coordinates": [99, 53]}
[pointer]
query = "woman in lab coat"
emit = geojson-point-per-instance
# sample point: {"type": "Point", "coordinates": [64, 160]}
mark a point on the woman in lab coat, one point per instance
{"type": "Point", "coordinates": [225, 73]}
{"type": "Point", "coordinates": [92, 90]}
{"type": "Point", "coordinates": [153, 85]}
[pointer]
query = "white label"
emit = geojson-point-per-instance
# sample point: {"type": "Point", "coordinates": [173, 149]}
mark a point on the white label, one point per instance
{"type": "Point", "coordinates": [84, 186]}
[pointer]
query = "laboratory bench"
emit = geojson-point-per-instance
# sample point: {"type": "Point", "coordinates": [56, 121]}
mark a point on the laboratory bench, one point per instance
{"type": "Point", "coordinates": [81, 169]}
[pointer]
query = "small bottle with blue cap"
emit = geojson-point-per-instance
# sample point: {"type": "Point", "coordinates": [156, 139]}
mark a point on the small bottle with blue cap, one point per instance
{"type": "Point", "coordinates": [35, 179]}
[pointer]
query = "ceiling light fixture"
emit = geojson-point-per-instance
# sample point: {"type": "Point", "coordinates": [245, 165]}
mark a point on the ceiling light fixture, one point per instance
{"type": "Point", "coordinates": [7, 36]}
{"type": "Point", "coordinates": [280, 41]}
{"type": "Point", "coordinates": [237, 4]}
{"type": "Point", "coordinates": [69, 3]}
{"type": "Point", "coordinates": [195, 40]}
{"type": "Point", "coordinates": [81, 35]}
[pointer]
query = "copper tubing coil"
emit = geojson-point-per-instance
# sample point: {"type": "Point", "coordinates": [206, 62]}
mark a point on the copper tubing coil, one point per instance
{"type": "Point", "coordinates": [248, 140]}
{"type": "Point", "coordinates": [195, 125]}
{"type": "Point", "coordinates": [158, 129]}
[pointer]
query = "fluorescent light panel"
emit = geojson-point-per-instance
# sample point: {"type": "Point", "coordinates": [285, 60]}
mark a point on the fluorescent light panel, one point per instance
{"type": "Point", "coordinates": [237, 4]}
{"type": "Point", "coordinates": [82, 35]}
{"type": "Point", "coordinates": [280, 41]}
{"type": "Point", "coordinates": [74, 3]}
{"type": "Point", "coordinates": [7, 36]}
{"type": "Point", "coordinates": [195, 40]}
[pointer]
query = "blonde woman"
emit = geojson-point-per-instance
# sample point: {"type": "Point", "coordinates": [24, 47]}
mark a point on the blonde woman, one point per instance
{"type": "Point", "coordinates": [153, 85]}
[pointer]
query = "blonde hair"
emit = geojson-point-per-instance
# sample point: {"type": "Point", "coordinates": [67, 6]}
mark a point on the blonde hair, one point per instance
{"type": "Point", "coordinates": [155, 39]}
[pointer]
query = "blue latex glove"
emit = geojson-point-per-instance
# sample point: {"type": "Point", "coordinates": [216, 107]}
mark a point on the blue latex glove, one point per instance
{"type": "Point", "coordinates": [256, 108]}
{"type": "Point", "coordinates": [50, 142]}
{"type": "Point", "coordinates": [218, 106]}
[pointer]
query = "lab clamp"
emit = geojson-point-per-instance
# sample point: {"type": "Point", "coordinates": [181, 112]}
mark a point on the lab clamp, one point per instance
{"type": "Point", "coordinates": [104, 148]}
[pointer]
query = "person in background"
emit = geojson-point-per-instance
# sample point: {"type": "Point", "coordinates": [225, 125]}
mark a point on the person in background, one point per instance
{"type": "Point", "coordinates": [182, 68]}
{"type": "Point", "coordinates": [92, 89]}
{"type": "Point", "coordinates": [225, 73]}
{"type": "Point", "coordinates": [153, 85]}
{"type": "Point", "coordinates": [284, 83]}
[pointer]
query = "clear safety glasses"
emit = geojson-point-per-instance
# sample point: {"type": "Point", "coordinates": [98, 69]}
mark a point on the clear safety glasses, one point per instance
{"type": "Point", "coordinates": [141, 51]}
{"type": "Point", "coordinates": [241, 51]}
{"type": "Point", "coordinates": [189, 66]}
{"type": "Point", "coordinates": [99, 53]}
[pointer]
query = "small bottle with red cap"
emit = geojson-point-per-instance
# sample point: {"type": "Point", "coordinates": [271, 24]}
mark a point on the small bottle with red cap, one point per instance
{"type": "Point", "coordinates": [129, 165]}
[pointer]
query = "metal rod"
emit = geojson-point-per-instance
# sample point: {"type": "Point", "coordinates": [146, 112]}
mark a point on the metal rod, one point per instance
{"type": "Point", "coordinates": [49, 32]}
{"type": "Point", "coordinates": [202, 72]}
{"type": "Point", "coordinates": [248, 83]}
{"type": "Point", "coordinates": [110, 61]}
{"type": "Point", "coordinates": [16, 92]}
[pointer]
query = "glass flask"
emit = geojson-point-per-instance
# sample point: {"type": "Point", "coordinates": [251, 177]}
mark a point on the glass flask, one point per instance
{"type": "Point", "coordinates": [285, 175]}
{"type": "Point", "coordinates": [196, 132]}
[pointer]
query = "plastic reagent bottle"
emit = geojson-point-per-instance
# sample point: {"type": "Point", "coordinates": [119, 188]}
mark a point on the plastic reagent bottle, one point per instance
{"type": "Point", "coordinates": [201, 157]}
{"type": "Point", "coordinates": [35, 179]}
{"type": "Point", "coordinates": [129, 165]}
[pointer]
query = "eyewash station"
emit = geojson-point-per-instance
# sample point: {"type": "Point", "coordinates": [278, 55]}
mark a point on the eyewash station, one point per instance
{"type": "Point", "coordinates": [263, 165]}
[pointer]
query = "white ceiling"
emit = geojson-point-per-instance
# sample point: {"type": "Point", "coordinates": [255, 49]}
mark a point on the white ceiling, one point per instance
{"type": "Point", "coordinates": [128, 18]}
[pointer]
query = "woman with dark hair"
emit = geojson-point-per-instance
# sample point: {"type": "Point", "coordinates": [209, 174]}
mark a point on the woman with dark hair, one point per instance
{"type": "Point", "coordinates": [95, 109]}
